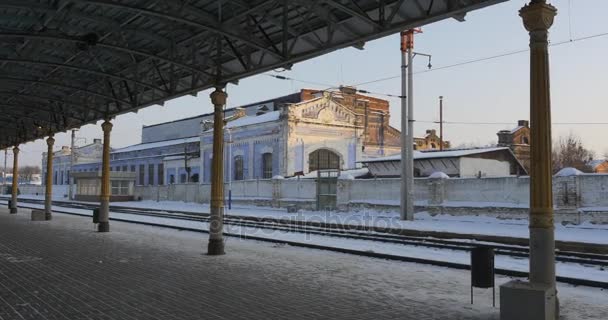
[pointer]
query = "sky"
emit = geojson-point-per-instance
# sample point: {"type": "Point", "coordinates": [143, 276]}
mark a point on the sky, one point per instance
{"type": "Point", "coordinates": [488, 91]}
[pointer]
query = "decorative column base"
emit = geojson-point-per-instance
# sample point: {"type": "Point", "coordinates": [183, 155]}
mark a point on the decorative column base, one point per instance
{"type": "Point", "coordinates": [103, 227]}
{"type": "Point", "coordinates": [104, 214]}
{"type": "Point", "coordinates": [521, 300]}
{"type": "Point", "coordinates": [215, 247]}
{"type": "Point", "coordinates": [48, 216]}
{"type": "Point", "coordinates": [13, 210]}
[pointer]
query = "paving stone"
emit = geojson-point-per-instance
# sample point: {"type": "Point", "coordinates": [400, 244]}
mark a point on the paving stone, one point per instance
{"type": "Point", "coordinates": [62, 269]}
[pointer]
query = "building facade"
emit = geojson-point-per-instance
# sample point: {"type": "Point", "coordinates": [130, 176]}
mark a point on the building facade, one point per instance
{"type": "Point", "coordinates": [518, 140]}
{"type": "Point", "coordinates": [323, 131]}
{"type": "Point", "coordinates": [430, 141]}
{"type": "Point", "coordinates": [287, 136]}
{"type": "Point", "coordinates": [83, 156]}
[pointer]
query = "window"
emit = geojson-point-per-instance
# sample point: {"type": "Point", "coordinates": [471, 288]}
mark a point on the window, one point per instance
{"type": "Point", "coordinates": [182, 178]}
{"type": "Point", "coordinates": [142, 172]}
{"type": "Point", "coordinates": [524, 140]}
{"type": "Point", "coordinates": [68, 176]}
{"type": "Point", "coordinates": [267, 165]}
{"type": "Point", "coordinates": [120, 188]}
{"type": "Point", "coordinates": [238, 168]}
{"type": "Point", "coordinates": [117, 168]}
{"type": "Point", "coordinates": [161, 174]}
{"type": "Point", "coordinates": [323, 159]}
{"type": "Point", "coordinates": [61, 180]}
{"type": "Point", "coordinates": [171, 179]}
{"type": "Point", "coordinates": [150, 174]}
{"type": "Point", "coordinates": [132, 168]}
{"type": "Point", "coordinates": [124, 168]}
{"type": "Point", "coordinates": [194, 178]}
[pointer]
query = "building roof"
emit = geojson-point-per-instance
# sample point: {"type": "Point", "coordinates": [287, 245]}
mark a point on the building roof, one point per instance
{"type": "Point", "coordinates": [595, 163]}
{"type": "Point", "coordinates": [157, 144]}
{"type": "Point", "coordinates": [454, 153]}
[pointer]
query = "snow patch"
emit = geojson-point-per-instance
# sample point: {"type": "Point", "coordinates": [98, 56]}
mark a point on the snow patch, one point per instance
{"type": "Point", "coordinates": [567, 172]}
{"type": "Point", "coordinates": [438, 175]}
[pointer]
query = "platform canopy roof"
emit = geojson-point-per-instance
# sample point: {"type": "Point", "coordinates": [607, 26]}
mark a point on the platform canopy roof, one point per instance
{"type": "Point", "coordinates": [67, 63]}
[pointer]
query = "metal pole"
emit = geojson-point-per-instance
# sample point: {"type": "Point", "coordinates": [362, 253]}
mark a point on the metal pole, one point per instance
{"type": "Point", "coordinates": [440, 122]}
{"type": "Point", "coordinates": [410, 134]}
{"type": "Point", "coordinates": [216, 221]}
{"type": "Point", "coordinates": [72, 154]}
{"type": "Point", "coordinates": [404, 126]}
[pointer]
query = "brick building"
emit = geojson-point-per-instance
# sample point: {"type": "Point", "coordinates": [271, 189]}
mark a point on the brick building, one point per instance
{"type": "Point", "coordinates": [430, 141]}
{"type": "Point", "coordinates": [518, 140]}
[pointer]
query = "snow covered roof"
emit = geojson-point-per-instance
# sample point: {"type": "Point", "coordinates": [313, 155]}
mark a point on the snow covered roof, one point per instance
{"type": "Point", "coordinates": [568, 171]}
{"type": "Point", "coordinates": [158, 144]}
{"type": "Point", "coordinates": [595, 163]}
{"type": "Point", "coordinates": [250, 120]}
{"type": "Point", "coordinates": [517, 129]}
{"type": "Point", "coordinates": [418, 155]}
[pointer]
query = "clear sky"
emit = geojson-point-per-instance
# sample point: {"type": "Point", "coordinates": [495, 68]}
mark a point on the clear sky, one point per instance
{"type": "Point", "coordinates": [494, 90]}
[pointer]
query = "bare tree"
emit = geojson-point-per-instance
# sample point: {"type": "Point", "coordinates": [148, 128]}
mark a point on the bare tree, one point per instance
{"type": "Point", "coordinates": [569, 151]}
{"type": "Point", "coordinates": [27, 172]}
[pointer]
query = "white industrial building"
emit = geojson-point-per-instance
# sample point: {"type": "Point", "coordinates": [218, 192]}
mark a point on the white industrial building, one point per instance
{"type": "Point", "coordinates": [477, 162]}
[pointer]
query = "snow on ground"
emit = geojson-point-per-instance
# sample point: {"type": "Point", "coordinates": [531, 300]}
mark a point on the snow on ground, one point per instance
{"type": "Point", "coordinates": [510, 263]}
{"type": "Point", "coordinates": [483, 225]}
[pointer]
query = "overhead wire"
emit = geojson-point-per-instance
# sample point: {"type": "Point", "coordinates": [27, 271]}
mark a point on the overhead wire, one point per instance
{"type": "Point", "coordinates": [501, 55]}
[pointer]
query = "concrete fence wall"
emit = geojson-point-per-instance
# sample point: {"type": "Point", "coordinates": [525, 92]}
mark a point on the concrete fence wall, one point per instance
{"type": "Point", "coordinates": [575, 197]}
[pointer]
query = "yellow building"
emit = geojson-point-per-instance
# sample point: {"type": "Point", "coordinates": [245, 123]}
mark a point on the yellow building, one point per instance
{"type": "Point", "coordinates": [430, 141]}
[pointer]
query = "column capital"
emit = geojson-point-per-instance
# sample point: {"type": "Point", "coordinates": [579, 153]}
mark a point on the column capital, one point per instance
{"type": "Point", "coordinates": [106, 126]}
{"type": "Point", "coordinates": [218, 97]}
{"type": "Point", "coordinates": [538, 15]}
{"type": "Point", "coordinates": [15, 150]}
{"type": "Point", "coordinates": [50, 141]}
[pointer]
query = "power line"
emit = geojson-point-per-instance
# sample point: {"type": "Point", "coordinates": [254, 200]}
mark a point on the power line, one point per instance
{"type": "Point", "coordinates": [329, 86]}
{"type": "Point", "coordinates": [509, 123]}
{"type": "Point", "coordinates": [501, 55]}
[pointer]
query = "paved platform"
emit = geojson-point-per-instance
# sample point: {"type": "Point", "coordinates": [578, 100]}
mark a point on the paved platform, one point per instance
{"type": "Point", "coordinates": [62, 269]}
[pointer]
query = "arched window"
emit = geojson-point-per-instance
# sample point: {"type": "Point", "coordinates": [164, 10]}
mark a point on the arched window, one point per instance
{"type": "Point", "coordinates": [238, 168]}
{"type": "Point", "coordinates": [267, 165]}
{"type": "Point", "coordinates": [524, 140]}
{"type": "Point", "coordinates": [323, 159]}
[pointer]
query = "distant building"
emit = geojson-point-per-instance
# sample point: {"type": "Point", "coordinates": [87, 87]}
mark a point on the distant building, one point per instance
{"type": "Point", "coordinates": [90, 153]}
{"type": "Point", "coordinates": [598, 166]}
{"type": "Point", "coordinates": [518, 140]}
{"type": "Point", "coordinates": [430, 141]}
{"type": "Point", "coordinates": [478, 162]}
{"type": "Point", "coordinates": [287, 136]}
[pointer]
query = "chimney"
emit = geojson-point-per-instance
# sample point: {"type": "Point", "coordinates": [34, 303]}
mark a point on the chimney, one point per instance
{"type": "Point", "coordinates": [523, 123]}
{"type": "Point", "coordinates": [505, 138]}
{"type": "Point", "coordinates": [348, 90]}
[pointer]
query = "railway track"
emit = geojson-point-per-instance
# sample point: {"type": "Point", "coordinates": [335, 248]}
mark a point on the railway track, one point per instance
{"type": "Point", "coordinates": [354, 232]}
